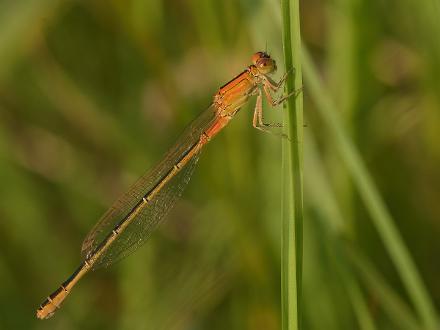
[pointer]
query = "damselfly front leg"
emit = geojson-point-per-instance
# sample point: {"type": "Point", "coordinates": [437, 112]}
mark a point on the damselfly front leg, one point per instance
{"type": "Point", "coordinates": [267, 85]}
{"type": "Point", "coordinates": [258, 121]}
{"type": "Point", "coordinates": [275, 86]}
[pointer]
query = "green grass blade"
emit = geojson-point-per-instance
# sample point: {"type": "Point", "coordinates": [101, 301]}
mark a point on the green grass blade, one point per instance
{"type": "Point", "coordinates": [393, 305]}
{"type": "Point", "coordinates": [346, 277]}
{"type": "Point", "coordinates": [379, 214]}
{"type": "Point", "coordinates": [292, 210]}
{"type": "Point", "coordinates": [357, 298]}
{"type": "Point", "coordinates": [321, 197]}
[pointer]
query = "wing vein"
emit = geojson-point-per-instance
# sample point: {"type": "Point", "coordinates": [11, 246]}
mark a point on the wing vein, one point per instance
{"type": "Point", "coordinates": [133, 217]}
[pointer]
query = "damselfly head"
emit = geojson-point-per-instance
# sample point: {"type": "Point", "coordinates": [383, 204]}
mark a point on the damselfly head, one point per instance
{"type": "Point", "coordinates": [264, 63]}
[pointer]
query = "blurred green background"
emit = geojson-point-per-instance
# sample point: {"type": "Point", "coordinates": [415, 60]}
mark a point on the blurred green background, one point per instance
{"type": "Point", "coordinates": [92, 93]}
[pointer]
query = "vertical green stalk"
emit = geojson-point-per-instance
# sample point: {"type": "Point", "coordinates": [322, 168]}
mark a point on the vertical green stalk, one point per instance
{"type": "Point", "coordinates": [292, 201]}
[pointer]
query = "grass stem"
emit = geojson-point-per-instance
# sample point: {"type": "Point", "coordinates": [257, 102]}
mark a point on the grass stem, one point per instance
{"type": "Point", "coordinates": [292, 208]}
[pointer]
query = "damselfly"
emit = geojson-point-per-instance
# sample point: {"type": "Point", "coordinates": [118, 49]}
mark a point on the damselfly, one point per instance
{"type": "Point", "coordinates": [134, 216]}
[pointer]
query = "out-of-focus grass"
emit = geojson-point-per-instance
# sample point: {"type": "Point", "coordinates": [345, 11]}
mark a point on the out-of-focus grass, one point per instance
{"type": "Point", "coordinates": [381, 218]}
{"type": "Point", "coordinates": [92, 94]}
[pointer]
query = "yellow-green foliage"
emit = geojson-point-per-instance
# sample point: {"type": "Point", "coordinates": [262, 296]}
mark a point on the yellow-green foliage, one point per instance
{"type": "Point", "coordinates": [92, 93]}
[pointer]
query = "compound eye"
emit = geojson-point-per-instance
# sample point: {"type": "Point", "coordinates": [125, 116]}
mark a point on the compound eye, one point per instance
{"type": "Point", "coordinates": [266, 65]}
{"type": "Point", "coordinates": [256, 57]}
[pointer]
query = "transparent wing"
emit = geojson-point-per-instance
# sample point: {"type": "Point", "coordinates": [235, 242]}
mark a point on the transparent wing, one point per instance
{"type": "Point", "coordinates": [148, 218]}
